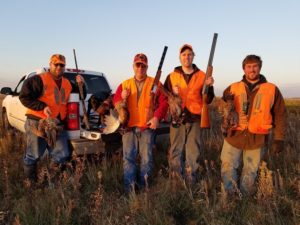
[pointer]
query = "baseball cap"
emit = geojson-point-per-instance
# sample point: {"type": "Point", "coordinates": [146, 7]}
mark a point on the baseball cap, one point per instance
{"type": "Point", "coordinates": [57, 58]}
{"type": "Point", "coordinates": [184, 47]}
{"type": "Point", "coordinates": [141, 58]}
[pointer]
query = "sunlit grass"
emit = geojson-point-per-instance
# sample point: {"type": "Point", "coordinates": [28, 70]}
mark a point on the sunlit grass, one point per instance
{"type": "Point", "coordinates": [91, 191]}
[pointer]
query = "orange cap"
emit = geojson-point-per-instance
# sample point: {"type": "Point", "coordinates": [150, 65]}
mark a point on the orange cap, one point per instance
{"type": "Point", "coordinates": [57, 58]}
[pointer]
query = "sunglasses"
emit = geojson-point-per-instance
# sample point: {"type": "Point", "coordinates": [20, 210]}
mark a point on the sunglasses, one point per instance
{"type": "Point", "coordinates": [140, 65]}
{"type": "Point", "coordinates": [59, 65]}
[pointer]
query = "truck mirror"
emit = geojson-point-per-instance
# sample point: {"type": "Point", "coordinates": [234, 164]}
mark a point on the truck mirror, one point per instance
{"type": "Point", "coordinates": [6, 91]}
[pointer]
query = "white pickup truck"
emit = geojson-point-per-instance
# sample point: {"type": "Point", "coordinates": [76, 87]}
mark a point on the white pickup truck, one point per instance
{"type": "Point", "coordinates": [82, 141]}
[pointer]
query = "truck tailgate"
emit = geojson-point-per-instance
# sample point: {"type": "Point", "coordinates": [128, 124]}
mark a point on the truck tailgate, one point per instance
{"type": "Point", "coordinates": [84, 146]}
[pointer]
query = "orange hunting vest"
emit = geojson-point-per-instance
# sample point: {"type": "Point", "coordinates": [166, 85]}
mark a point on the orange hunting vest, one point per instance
{"type": "Point", "coordinates": [191, 93]}
{"type": "Point", "coordinates": [53, 97]}
{"type": "Point", "coordinates": [260, 121]}
{"type": "Point", "coordinates": [138, 109]}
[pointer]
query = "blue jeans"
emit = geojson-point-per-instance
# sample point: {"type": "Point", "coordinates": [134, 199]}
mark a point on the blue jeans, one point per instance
{"type": "Point", "coordinates": [185, 137]}
{"type": "Point", "coordinates": [36, 146]}
{"type": "Point", "coordinates": [137, 142]}
{"type": "Point", "coordinates": [231, 158]}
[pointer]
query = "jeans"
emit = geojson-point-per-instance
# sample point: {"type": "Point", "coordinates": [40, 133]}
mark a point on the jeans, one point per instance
{"type": "Point", "coordinates": [137, 142]}
{"type": "Point", "coordinates": [36, 146]}
{"type": "Point", "coordinates": [231, 158]}
{"type": "Point", "coordinates": [185, 137]}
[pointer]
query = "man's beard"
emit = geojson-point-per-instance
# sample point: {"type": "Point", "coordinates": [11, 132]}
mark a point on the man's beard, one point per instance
{"type": "Point", "coordinates": [253, 77]}
{"type": "Point", "coordinates": [57, 76]}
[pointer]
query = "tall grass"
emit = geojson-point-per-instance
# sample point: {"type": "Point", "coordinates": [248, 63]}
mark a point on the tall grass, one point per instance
{"type": "Point", "coordinates": [91, 191]}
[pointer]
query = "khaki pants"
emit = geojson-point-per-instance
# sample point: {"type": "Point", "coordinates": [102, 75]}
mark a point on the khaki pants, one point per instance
{"type": "Point", "coordinates": [231, 158]}
{"type": "Point", "coordinates": [185, 139]}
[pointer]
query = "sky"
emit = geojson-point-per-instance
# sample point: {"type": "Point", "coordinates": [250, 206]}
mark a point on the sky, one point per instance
{"type": "Point", "coordinates": [107, 35]}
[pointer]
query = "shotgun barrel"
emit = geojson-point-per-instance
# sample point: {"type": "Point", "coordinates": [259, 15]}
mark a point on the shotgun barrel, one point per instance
{"type": "Point", "coordinates": [80, 86]}
{"type": "Point", "coordinates": [205, 123]}
{"type": "Point", "coordinates": [155, 84]}
{"type": "Point", "coordinates": [158, 73]}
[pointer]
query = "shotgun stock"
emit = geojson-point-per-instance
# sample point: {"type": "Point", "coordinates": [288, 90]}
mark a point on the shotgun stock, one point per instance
{"type": "Point", "coordinates": [80, 86]}
{"type": "Point", "coordinates": [155, 85]}
{"type": "Point", "coordinates": [204, 123]}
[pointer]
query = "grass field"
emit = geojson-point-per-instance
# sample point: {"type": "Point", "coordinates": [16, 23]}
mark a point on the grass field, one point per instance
{"type": "Point", "coordinates": [92, 192]}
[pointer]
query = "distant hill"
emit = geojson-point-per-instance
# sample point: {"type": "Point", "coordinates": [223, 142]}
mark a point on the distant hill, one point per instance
{"type": "Point", "coordinates": [5, 83]}
{"type": "Point", "coordinates": [290, 90]}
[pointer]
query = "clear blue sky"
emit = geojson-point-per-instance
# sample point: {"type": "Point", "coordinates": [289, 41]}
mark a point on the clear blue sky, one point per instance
{"type": "Point", "coordinates": [107, 35]}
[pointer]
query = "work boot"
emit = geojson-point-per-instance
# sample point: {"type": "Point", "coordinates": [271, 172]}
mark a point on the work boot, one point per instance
{"type": "Point", "coordinates": [30, 172]}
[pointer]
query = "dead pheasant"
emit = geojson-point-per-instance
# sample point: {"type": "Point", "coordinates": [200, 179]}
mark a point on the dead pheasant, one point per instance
{"type": "Point", "coordinates": [49, 129]}
{"type": "Point", "coordinates": [102, 108]}
{"type": "Point", "coordinates": [117, 119]}
{"type": "Point", "coordinates": [106, 105]}
{"type": "Point", "coordinates": [229, 115]}
{"type": "Point", "coordinates": [123, 112]}
{"type": "Point", "coordinates": [175, 103]}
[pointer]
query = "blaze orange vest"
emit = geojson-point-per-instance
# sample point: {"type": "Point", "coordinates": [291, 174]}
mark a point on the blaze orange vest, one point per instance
{"type": "Point", "coordinates": [260, 120]}
{"type": "Point", "coordinates": [191, 93]}
{"type": "Point", "coordinates": [138, 109]}
{"type": "Point", "coordinates": [53, 97]}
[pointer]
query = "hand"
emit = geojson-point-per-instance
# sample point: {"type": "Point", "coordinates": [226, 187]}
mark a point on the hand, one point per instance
{"type": "Point", "coordinates": [47, 111]}
{"type": "Point", "coordinates": [125, 93]}
{"type": "Point", "coordinates": [79, 79]}
{"type": "Point", "coordinates": [209, 81]}
{"type": "Point", "coordinates": [175, 90]}
{"type": "Point", "coordinates": [153, 123]}
{"type": "Point", "coordinates": [277, 147]}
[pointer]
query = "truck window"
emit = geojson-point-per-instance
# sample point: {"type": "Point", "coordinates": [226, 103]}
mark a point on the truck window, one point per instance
{"type": "Point", "coordinates": [93, 83]}
{"type": "Point", "coordinates": [19, 86]}
{"type": "Point", "coordinates": [21, 82]}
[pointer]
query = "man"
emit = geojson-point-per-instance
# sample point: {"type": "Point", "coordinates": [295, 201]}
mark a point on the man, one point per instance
{"type": "Point", "coordinates": [139, 134]}
{"type": "Point", "coordinates": [187, 81]}
{"type": "Point", "coordinates": [260, 107]}
{"type": "Point", "coordinates": [46, 95]}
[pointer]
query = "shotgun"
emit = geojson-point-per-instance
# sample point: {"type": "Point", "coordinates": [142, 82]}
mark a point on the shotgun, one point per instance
{"type": "Point", "coordinates": [204, 123]}
{"type": "Point", "coordinates": [155, 85]}
{"type": "Point", "coordinates": [80, 86]}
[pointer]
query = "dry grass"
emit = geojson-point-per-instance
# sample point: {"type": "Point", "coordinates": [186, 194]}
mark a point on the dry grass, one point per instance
{"type": "Point", "coordinates": [90, 192]}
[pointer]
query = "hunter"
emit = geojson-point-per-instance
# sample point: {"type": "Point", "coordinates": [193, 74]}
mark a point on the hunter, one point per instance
{"type": "Point", "coordinates": [260, 107]}
{"type": "Point", "coordinates": [187, 81]}
{"type": "Point", "coordinates": [139, 133]}
{"type": "Point", "coordinates": [46, 95]}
